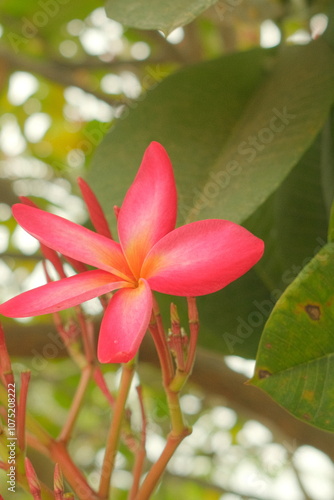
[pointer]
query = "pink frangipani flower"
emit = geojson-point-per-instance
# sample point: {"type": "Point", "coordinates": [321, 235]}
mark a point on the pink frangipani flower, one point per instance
{"type": "Point", "coordinates": [195, 259]}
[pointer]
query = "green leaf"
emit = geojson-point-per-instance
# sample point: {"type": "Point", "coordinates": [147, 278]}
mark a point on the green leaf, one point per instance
{"type": "Point", "coordinates": [301, 217]}
{"type": "Point", "coordinates": [193, 130]}
{"type": "Point", "coordinates": [233, 129]}
{"type": "Point", "coordinates": [331, 225]}
{"type": "Point", "coordinates": [293, 221]}
{"type": "Point", "coordinates": [232, 320]}
{"type": "Point", "coordinates": [295, 362]}
{"type": "Point", "coordinates": [165, 15]}
{"type": "Point", "coordinates": [329, 33]}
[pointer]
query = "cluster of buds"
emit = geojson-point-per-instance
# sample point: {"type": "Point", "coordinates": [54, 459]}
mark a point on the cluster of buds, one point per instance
{"type": "Point", "coordinates": [35, 487]}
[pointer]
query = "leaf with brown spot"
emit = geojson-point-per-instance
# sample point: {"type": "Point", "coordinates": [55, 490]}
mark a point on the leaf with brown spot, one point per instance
{"type": "Point", "coordinates": [300, 331]}
{"type": "Point", "coordinates": [314, 311]}
{"type": "Point", "coordinates": [264, 374]}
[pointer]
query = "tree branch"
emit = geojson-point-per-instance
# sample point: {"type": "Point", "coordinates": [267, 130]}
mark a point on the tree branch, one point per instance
{"type": "Point", "coordinates": [70, 73]}
{"type": "Point", "coordinates": [41, 344]}
{"type": "Point", "coordinates": [65, 76]}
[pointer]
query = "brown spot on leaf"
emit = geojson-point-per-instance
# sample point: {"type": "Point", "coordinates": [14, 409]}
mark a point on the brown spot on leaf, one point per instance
{"type": "Point", "coordinates": [313, 311]}
{"type": "Point", "coordinates": [307, 416]}
{"type": "Point", "coordinates": [308, 395]}
{"type": "Point", "coordinates": [268, 346]}
{"type": "Point", "coordinates": [264, 374]}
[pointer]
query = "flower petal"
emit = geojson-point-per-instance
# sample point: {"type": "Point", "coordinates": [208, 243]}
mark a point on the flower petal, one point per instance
{"type": "Point", "coordinates": [124, 324]}
{"type": "Point", "coordinates": [72, 240]}
{"type": "Point", "coordinates": [94, 208]}
{"type": "Point", "coordinates": [62, 294]}
{"type": "Point", "coordinates": [201, 257]}
{"type": "Point", "coordinates": [149, 208]}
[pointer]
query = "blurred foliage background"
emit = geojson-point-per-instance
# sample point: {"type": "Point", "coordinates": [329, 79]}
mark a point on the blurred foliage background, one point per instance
{"type": "Point", "coordinates": [82, 94]}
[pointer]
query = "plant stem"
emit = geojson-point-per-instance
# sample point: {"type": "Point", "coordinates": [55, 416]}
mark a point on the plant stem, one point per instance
{"type": "Point", "coordinates": [159, 467]}
{"type": "Point", "coordinates": [115, 429]}
{"type": "Point", "coordinates": [157, 331]}
{"type": "Point", "coordinates": [5, 366]}
{"type": "Point", "coordinates": [76, 404]}
{"type": "Point", "coordinates": [173, 382]}
{"type": "Point", "coordinates": [59, 454]}
{"type": "Point", "coordinates": [176, 415]}
{"type": "Point", "coordinates": [194, 329]}
{"type": "Point", "coordinates": [21, 420]}
{"type": "Point", "coordinates": [86, 338]}
{"type": "Point", "coordinates": [141, 452]}
{"type": "Point", "coordinates": [101, 383]}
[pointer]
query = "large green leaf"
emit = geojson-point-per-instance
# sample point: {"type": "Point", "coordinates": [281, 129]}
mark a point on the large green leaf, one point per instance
{"type": "Point", "coordinates": [165, 15]}
{"type": "Point", "coordinates": [233, 128]}
{"type": "Point", "coordinates": [295, 363]}
{"type": "Point", "coordinates": [231, 320]}
{"type": "Point", "coordinates": [293, 221]}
